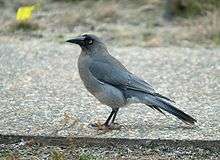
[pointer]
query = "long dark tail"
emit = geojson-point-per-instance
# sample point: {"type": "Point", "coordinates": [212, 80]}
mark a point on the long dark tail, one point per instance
{"type": "Point", "coordinates": [158, 102]}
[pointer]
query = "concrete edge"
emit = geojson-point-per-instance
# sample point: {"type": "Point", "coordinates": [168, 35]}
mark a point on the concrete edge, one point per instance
{"type": "Point", "coordinates": [212, 145]}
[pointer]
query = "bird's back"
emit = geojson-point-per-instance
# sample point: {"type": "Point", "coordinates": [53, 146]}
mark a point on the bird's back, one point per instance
{"type": "Point", "coordinates": [107, 58]}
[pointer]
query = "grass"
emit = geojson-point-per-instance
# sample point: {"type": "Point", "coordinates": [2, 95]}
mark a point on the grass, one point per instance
{"type": "Point", "coordinates": [8, 155]}
{"type": "Point", "coordinates": [24, 26]}
{"type": "Point", "coordinates": [216, 38]}
{"type": "Point", "coordinates": [18, 151]}
{"type": "Point", "coordinates": [72, 19]}
{"type": "Point", "coordinates": [125, 23]}
{"type": "Point", "coordinates": [107, 12]}
{"type": "Point", "coordinates": [190, 8]}
{"type": "Point", "coordinates": [195, 7]}
{"type": "Point", "coordinates": [57, 155]}
{"type": "Point", "coordinates": [87, 157]}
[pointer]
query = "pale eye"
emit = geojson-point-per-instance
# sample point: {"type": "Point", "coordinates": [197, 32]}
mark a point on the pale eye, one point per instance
{"type": "Point", "coordinates": [90, 41]}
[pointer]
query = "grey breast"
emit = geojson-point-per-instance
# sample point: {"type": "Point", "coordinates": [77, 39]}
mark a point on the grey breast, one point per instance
{"type": "Point", "coordinates": [105, 93]}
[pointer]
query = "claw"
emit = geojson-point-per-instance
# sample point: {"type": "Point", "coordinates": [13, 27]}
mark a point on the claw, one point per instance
{"type": "Point", "coordinates": [113, 126]}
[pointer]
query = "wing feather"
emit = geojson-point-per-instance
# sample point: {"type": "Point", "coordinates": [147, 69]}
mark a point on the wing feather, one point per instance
{"type": "Point", "coordinates": [119, 77]}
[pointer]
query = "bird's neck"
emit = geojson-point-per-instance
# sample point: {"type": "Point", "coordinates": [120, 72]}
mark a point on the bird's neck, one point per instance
{"type": "Point", "coordinates": [96, 50]}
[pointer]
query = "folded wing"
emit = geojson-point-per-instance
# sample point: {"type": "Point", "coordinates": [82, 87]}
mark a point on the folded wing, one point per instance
{"type": "Point", "coordinates": [119, 77]}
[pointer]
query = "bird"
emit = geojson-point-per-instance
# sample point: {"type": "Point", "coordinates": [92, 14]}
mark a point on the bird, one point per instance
{"type": "Point", "coordinates": [113, 85]}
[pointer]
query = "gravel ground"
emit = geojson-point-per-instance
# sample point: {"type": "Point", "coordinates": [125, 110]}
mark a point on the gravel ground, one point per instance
{"type": "Point", "coordinates": [60, 148]}
{"type": "Point", "coordinates": [42, 94]}
{"type": "Point", "coordinates": [26, 152]}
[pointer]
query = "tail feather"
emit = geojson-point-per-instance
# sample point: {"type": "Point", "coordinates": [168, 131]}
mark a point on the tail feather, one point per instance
{"type": "Point", "coordinates": [160, 103]}
{"type": "Point", "coordinates": [158, 109]}
{"type": "Point", "coordinates": [161, 96]}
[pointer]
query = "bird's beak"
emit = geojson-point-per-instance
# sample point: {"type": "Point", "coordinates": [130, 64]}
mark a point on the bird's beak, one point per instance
{"type": "Point", "coordinates": [78, 40]}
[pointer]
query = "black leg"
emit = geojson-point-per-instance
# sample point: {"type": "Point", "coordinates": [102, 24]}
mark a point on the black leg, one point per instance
{"type": "Point", "coordinates": [109, 121]}
{"type": "Point", "coordinates": [114, 116]}
{"type": "Point", "coordinates": [109, 118]}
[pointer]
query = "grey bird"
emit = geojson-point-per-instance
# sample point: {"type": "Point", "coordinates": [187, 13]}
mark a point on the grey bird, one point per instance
{"type": "Point", "coordinates": [113, 85]}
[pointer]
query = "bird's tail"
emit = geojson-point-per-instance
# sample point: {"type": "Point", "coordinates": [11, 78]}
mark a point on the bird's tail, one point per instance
{"type": "Point", "coordinates": [158, 102]}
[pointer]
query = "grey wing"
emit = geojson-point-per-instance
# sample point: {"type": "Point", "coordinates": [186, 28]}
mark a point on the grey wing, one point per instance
{"type": "Point", "coordinates": [119, 77]}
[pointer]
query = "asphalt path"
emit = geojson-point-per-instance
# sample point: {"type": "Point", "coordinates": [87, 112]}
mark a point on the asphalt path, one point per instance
{"type": "Point", "coordinates": [41, 92]}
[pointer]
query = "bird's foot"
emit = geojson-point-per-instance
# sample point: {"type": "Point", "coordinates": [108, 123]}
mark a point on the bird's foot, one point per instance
{"type": "Point", "coordinates": [112, 126]}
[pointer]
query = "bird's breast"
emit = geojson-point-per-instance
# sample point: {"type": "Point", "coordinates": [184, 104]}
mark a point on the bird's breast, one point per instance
{"type": "Point", "coordinates": [89, 81]}
{"type": "Point", "coordinates": [105, 93]}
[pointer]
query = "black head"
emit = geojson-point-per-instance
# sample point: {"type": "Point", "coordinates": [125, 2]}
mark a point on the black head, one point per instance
{"type": "Point", "coordinates": [86, 40]}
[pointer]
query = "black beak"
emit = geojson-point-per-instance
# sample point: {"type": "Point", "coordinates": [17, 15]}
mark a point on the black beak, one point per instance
{"type": "Point", "coordinates": [78, 40]}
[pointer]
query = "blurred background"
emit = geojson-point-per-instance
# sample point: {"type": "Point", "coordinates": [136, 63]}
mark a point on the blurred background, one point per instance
{"type": "Point", "coordinates": [141, 23]}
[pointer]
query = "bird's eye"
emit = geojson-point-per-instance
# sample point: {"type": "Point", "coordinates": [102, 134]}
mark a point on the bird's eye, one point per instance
{"type": "Point", "coordinates": [90, 41]}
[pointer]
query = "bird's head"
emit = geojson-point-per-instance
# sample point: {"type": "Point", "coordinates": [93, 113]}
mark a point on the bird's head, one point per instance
{"type": "Point", "coordinates": [88, 42]}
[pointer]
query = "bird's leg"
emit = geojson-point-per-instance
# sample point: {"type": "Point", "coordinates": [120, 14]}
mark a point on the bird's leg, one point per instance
{"type": "Point", "coordinates": [114, 116]}
{"type": "Point", "coordinates": [106, 124]}
{"type": "Point", "coordinates": [114, 111]}
{"type": "Point", "coordinates": [109, 123]}
{"type": "Point", "coordinates": [112, 125]}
